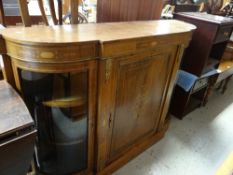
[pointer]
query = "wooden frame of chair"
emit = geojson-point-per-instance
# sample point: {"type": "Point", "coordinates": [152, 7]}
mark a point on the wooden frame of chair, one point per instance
{"type": "Point", "coordinates": [26, 17]}
{"type": "Point", "coordinates": [2, 14]}
{"type": "Point", "coordinates": [23, 6]}
{"type": "Point", "coordinates": [73, 7]}
{"type": "Point", "coordinates": [53, 12]}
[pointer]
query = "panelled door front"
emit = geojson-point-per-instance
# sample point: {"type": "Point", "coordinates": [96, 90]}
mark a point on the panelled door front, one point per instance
{"type": "Point", "coordinates": [138, 87]}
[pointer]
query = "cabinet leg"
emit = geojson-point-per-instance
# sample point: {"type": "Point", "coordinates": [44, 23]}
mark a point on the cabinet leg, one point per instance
{"type": "Point", "coordinates": [225, 84]}
{"type": "Point", "coordinates": [1, 75]}
{"type": "Point", "coordinates": [8, 71]}
{"type": "Point", "coordinates": [206, 96]}
{"type": "Point", "coordinates": [212, 81]}
{"type": "Point", "coordinates": [220, 85]}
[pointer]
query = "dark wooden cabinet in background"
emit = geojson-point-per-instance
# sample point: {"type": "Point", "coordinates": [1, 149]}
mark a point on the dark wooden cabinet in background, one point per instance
{"type": "Point", "coordinates": [201, 57]}
{"type": "Point", "coordinates": [128, 10]}
{"type": "Point", "coordinates": [17, 133]}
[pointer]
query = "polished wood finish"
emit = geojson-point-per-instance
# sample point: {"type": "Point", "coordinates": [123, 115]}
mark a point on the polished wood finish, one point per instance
{"type": "Point", "coordinates": [128, 10]}
{"type": "Point", "coordinates": [96, 33]}
{"type": "Point", "coordinates": [142, 106]}
{"type": "Point", "coordinates": [203, 55]}
{"type": "Point", "coordinates": [137, 64]}
{"type": "Point", "coordinates": [18, 117]}
{"type": "Point", "coordinates": [17, 135]}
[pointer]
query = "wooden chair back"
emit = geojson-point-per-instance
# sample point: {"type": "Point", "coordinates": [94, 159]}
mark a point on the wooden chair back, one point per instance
{"type": "Point", "coordinates": [23, 6]}
{"type": "Point", "coordinates": [56, 20]}
{"type": "Point", "coordinates": [71, 5]}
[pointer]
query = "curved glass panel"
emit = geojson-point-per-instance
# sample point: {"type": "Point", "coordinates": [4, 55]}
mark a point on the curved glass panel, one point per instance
{"type": "Point", "coordinates": [58, 104]}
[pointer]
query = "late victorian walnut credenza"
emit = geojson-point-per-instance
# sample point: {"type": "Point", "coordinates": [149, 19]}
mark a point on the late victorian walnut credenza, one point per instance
{"type": "Point", "coordinates": [99, 93]}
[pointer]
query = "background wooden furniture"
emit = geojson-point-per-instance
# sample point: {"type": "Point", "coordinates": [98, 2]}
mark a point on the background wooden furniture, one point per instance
{"type": "Point", "coordinates": [73, 4]}
{"type": "Point", "coordinates": [128, 10]}
{"type": "Point", "coordinates": [225, 67]}
{"type": "Point", "coordinates": [134, 54]}
{"type": "Point", "coordinates": [22, 12]}
{"type": "Point", "coordinates": [10, 12]}
{"type": "Point", "coordinates": [203, 55]}
{"type": "Point", "coordinates": [25, 12]}
{"type": "Point", "coordinates": [17, 133]}
{"type": "Point", "coordinates": [210, 6]}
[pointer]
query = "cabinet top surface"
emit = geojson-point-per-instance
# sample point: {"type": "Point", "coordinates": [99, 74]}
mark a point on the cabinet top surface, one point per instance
{"type": "Point", "coordinates": [208, 18]}
{"type": "Point", "coordinates": [102, 32]}
{"type": "Point", "coordinates": [14, 114]}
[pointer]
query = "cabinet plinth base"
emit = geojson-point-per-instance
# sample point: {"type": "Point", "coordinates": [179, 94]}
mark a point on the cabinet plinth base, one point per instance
{"type": "Point", "coordinates": [134, 152]}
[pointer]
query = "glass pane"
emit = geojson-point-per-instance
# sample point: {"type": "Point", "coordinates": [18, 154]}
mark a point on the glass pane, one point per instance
{"type": "Point", "coordinates": [58, 103]}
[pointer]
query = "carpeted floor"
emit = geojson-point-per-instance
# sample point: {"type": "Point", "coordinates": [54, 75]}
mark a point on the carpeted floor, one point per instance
{"type": "Point", "coordinates": [227, 167]}
{"type": "Point", "coordinates": [197, 145]}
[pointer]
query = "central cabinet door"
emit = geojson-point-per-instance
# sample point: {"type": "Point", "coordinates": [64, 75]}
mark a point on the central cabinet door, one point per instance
{"type": "Point", "coordinates": [138, 87]}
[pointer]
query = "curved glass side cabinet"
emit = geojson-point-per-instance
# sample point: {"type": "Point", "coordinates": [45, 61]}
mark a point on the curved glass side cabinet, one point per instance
{"type": "Point", "coordinates": [61, 105]}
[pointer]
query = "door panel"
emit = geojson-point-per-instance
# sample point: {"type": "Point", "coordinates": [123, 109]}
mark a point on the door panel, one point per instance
{"type": "Point", "coordinates": [139, 94]}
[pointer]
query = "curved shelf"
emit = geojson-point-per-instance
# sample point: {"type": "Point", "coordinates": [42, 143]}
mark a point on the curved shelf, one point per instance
{"type": "Point", "coordinates": [67, 102]}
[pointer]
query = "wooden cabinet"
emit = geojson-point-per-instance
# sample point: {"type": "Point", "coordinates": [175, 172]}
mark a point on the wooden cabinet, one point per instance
{"type": "Point", "coordinates": [17, 133]}
{"type": "Point", "coordinates": [136, 85]}
{"type": "Point", "coordinates": [135, 88]}
{"type": "Point", "coordinates": [136, 78]}
{"type": "Point", "coordinates": [202, 59]}
{"type": "Point", "coordinates": [208, 43]}
{"type": "Point", "coordinates": [115, 76]}
{"type": "Point", "coordinates": [128, 10]}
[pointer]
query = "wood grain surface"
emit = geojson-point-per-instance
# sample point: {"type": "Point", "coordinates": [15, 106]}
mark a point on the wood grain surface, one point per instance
{"type": "Point", "coordinates": [128, 10]}
{"type": "Point", "coordinates": [95, 32]}
{"type": "Point", "coordinates": [14, 113]}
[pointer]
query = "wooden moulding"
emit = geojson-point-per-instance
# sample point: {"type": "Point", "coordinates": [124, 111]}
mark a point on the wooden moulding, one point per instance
{"type": "Point", "coordinates": [155, 44]}
{"type": "Point", "coordinates": [63, 53]}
